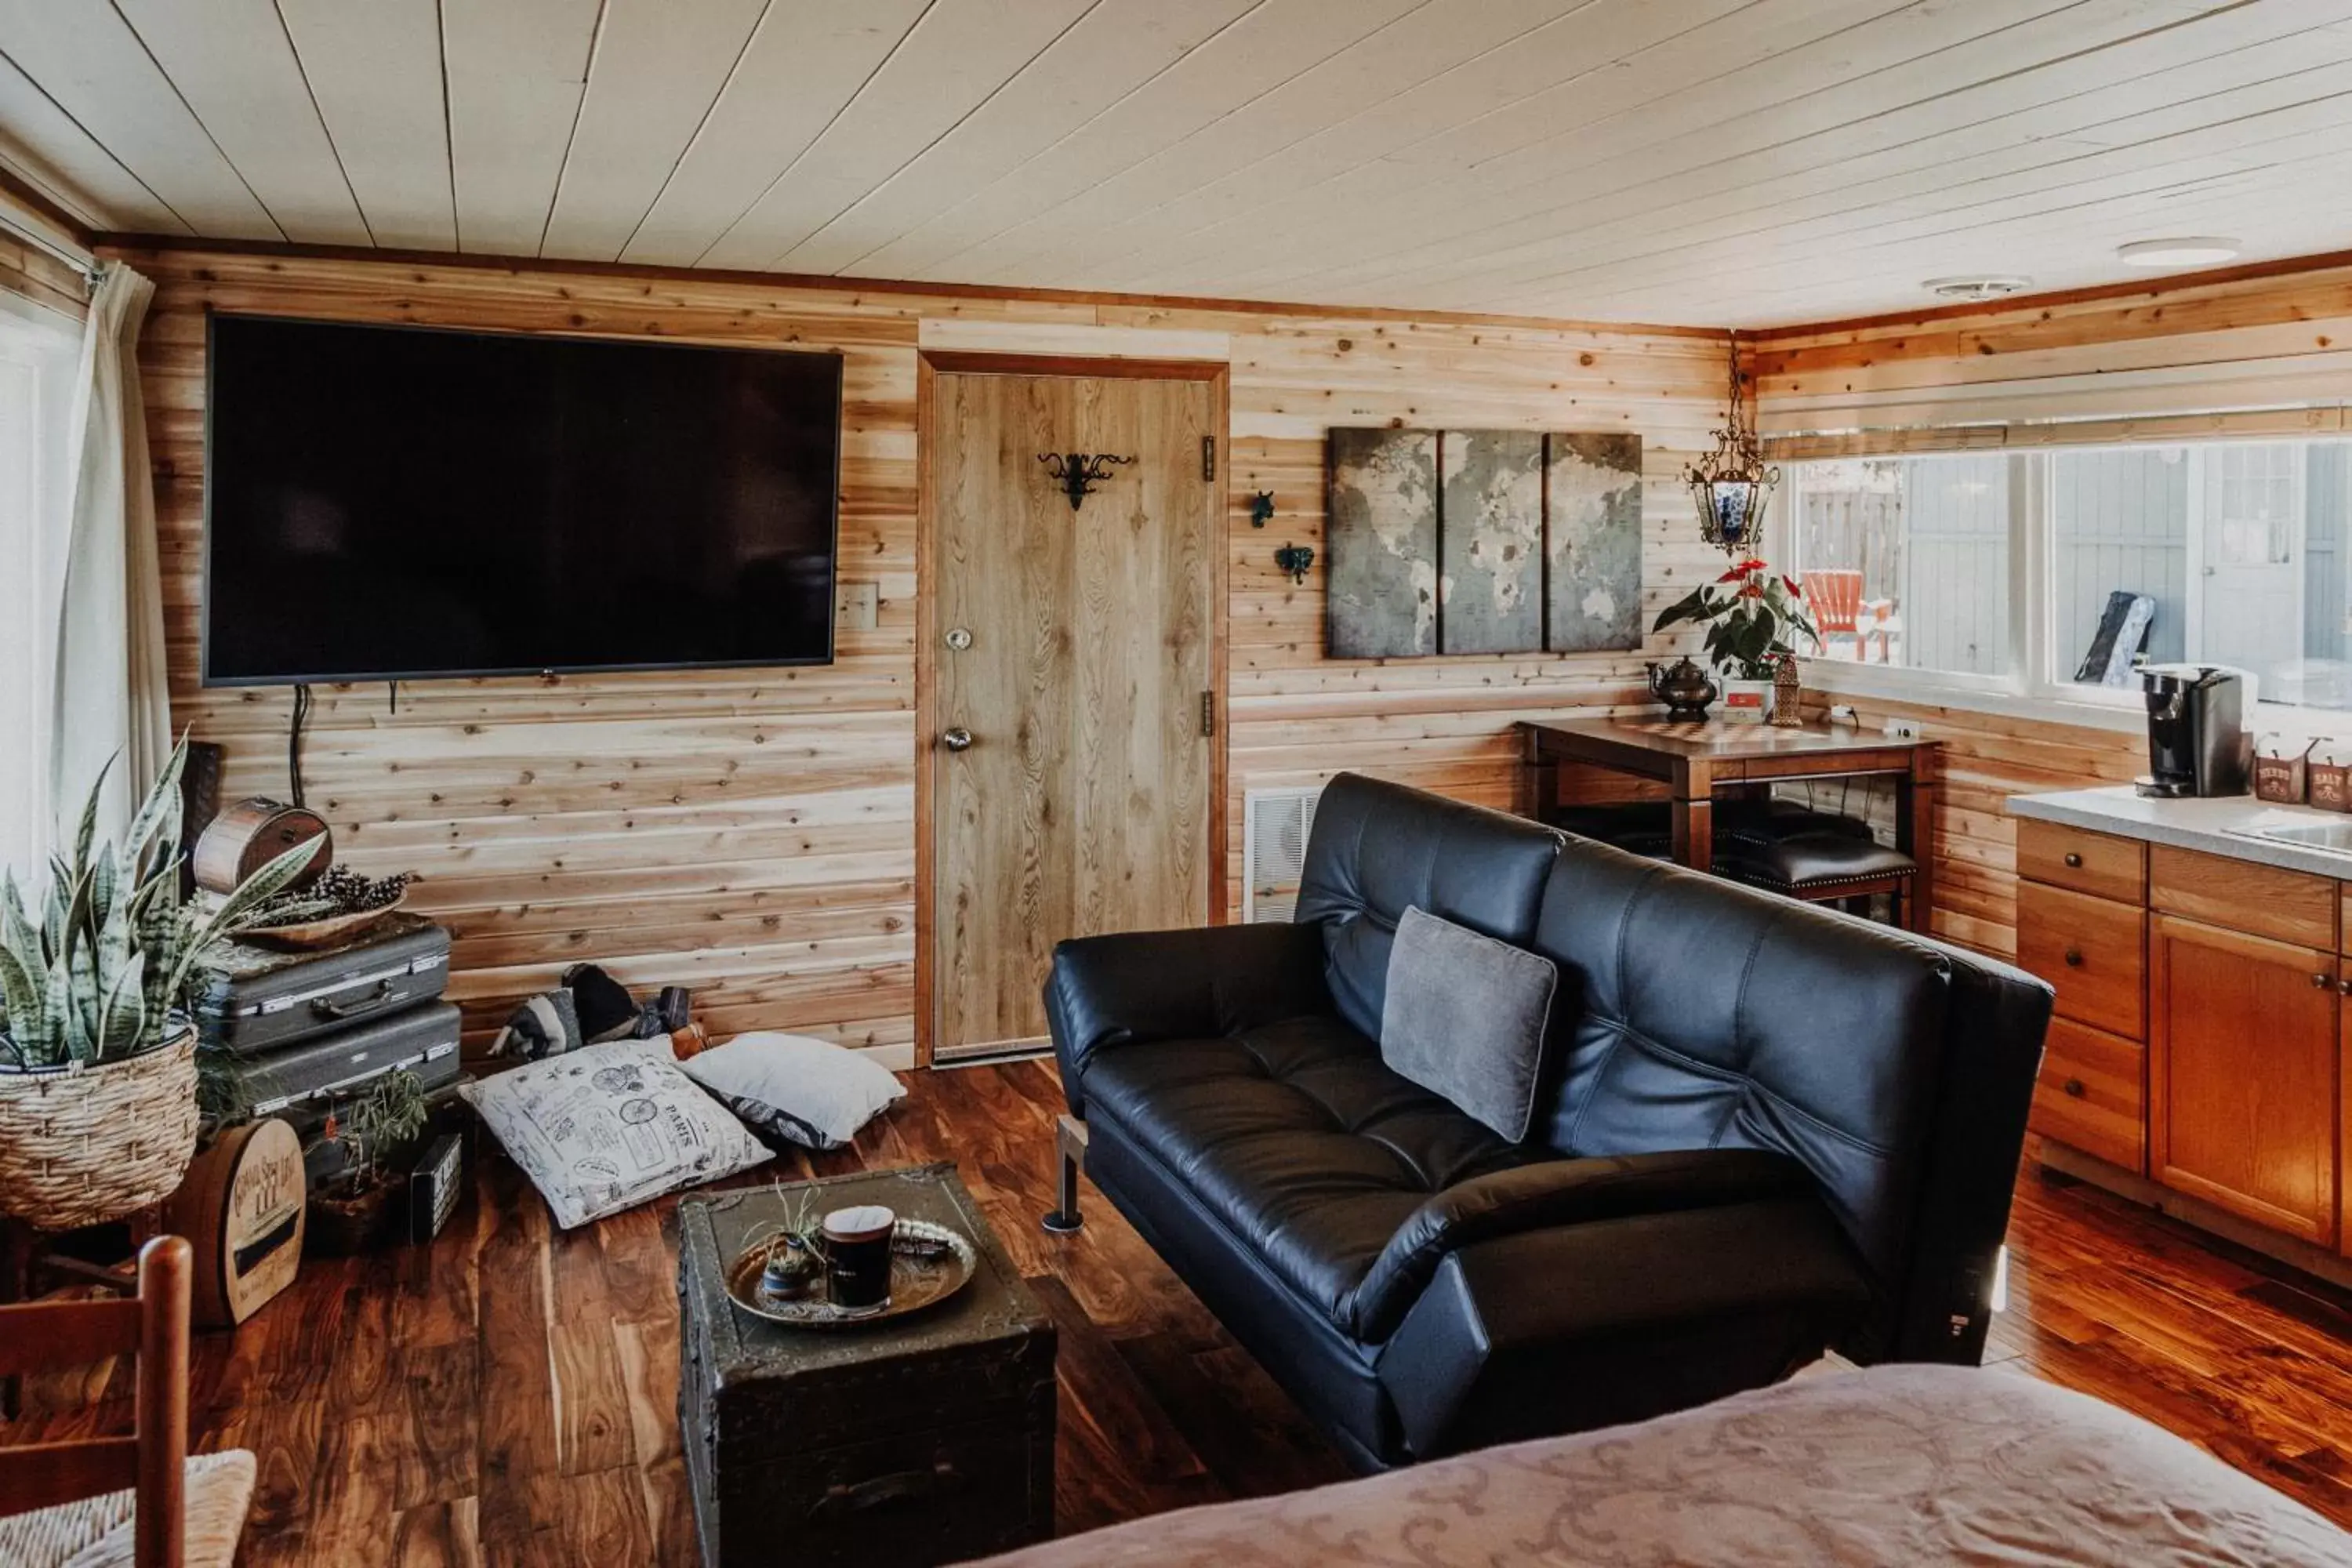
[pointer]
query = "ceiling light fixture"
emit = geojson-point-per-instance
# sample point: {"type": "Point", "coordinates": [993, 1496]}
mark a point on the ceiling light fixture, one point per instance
{"type": "Point", "coordinates": [1989, 286]}
{"type": "Point", "coordinates": [2189, 250]}
{"type": "Point", "coordinates": [1733, 484]}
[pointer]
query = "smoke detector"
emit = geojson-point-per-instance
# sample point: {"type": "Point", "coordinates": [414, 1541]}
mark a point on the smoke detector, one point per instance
{"type": "Point", "coordinates": [1990, 286]}
{"type": "Point", "coordinates": [2189, 250]}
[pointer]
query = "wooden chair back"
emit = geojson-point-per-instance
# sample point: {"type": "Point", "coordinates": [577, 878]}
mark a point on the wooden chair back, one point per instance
{"type": "Point", "coordinates": [153, 1326]}
{"type": "Point", "coordinates": [1834, 595]}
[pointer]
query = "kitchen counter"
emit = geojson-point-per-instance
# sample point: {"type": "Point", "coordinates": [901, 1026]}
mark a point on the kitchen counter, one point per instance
{"type": "Point", "coordinates": [2221, 824]}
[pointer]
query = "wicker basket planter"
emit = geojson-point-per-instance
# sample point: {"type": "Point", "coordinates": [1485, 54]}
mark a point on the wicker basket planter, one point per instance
{"type": "Point", "coordinates": [83, 1145]}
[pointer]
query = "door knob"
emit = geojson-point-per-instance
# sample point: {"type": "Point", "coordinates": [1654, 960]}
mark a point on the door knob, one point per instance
{"type": "Point", "coordinates": [956, 738]}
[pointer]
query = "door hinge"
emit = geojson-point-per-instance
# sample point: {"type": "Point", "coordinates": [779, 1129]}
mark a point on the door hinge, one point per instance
{"type": "Point", "coordinates": [1208, 712]}
{"type": "Point", "coordinates": [1208, 457]}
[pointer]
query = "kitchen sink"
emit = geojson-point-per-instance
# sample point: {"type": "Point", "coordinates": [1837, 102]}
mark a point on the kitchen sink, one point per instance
{"type": "Point", "coordinates": [2332, 836]}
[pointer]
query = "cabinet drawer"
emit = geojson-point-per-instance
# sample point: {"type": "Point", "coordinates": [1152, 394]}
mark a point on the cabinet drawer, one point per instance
{"type": "Point", "coordinates": [2083, 861]}
{"type": "Point", "coordinates": [2092, 949]}
{"type": "Point", "coordinates": [2091, 1094]}
{"type": "Point", "coordinates": [2240, 894]}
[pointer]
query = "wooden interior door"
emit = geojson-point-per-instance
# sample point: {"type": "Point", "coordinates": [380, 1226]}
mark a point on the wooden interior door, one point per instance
{"type": "Point", "coordinates": [1072, 765]}
{"type": "Point", "coordinates": [2244, 1075]}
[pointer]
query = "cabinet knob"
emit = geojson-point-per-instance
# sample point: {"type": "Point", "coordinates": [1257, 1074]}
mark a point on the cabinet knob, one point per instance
{"type": "Point", "coordinates": [2073, 860]}
{"type": "Point", "coordinates": [2322, 982]}
{"type": "Point", "coordinates": [2073, 958]}
{"type": "Point", "coordinates": [2345, 985]}
{"type": "Point", "coordinates": [2073, 1086]}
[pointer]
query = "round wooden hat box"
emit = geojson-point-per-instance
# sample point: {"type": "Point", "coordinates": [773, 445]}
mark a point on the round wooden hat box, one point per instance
{"type": "Point", "coordinates": [241, 1208]}
{"type": "Point", "coordinates": [251, 833]}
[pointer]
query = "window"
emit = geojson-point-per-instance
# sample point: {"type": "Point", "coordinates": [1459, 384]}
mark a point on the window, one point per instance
{"type": "Point", "coordinates": [1906, 561]}
{"type": "Point", "coordinates": [2228, 553]}
{"type": "Point", "coordinates": [35, 364]}
{"type": "Point", "coordinates": [2231, 552]}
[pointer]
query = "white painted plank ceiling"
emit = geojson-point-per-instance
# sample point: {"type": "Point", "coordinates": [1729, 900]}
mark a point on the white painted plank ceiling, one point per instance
{"type": "Point", "coordinates": [1740, 161]}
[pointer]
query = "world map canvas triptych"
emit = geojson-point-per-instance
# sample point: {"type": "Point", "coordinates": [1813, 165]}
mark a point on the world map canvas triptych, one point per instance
{"type": "Point", "coordinates": [1462, 542]}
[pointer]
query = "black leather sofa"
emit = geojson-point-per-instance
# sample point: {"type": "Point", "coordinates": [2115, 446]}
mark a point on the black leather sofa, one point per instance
{"type": "Point", "coordinates": [1765, 1130]}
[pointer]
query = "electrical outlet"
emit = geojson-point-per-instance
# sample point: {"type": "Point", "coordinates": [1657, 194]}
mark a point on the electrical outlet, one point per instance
{"type": "Point", "coordinates": [1843, 713]}
{"type": "Point", "coordinates": [1902, 729]}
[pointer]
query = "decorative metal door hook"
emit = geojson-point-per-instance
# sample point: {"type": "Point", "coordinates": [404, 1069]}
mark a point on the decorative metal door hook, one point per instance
{"type": "Point", "coordinates": [1079, 472]}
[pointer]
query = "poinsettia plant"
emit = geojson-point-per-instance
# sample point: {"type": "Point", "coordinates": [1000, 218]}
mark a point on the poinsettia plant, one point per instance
{"type": "Point", "coordinates": [1753, 617]}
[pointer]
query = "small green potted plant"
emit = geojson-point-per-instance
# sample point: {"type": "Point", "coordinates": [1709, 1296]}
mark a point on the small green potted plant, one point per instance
{"type": "Point", "coordinates": [792, 1250]}
{"type": "Point", "coordinates": [350, 1214]}
{"type": "Point", "coordinates": [97, 1058]}
{"type": "Point", "coordinates": [1753, 617]}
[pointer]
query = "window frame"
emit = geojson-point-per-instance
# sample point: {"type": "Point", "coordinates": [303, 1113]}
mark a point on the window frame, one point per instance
{"type": "Point", "coordinates": [2029, 690]}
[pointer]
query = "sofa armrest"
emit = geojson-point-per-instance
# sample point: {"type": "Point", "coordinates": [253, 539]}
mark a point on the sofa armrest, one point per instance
{"type": "Point", "coordinates": [1993, 1053]}
{"type": "Point", "coordinates": [1199, 984]}
{"type": "Point", "coordinates": [1566, 1328]}
{"type": "Point", "coordinates": [1554, 1192]}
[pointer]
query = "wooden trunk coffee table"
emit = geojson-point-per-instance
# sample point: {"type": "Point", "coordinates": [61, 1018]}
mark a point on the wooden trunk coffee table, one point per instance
{"type": "Point", "coordinates": [899, 1443]}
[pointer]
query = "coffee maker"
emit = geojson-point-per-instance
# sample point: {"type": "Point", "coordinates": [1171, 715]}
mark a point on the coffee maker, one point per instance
{"type": "Point", "coordinates": [2196, 730]}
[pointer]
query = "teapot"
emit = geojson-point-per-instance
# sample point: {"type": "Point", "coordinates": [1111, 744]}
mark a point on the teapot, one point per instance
{"type": "Point", "coordinates": [1684, 688]}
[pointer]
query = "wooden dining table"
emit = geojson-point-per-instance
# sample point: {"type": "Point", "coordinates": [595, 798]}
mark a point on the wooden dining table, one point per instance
{"type": "Point", "coordinates": [1695, 761]}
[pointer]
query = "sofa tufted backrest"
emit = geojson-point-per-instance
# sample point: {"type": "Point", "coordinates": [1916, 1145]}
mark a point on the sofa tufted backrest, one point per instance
{"type": "Point", "coordinates": [1695, 1014]}
{"type": "Point", "coordinates": [1379, 847]}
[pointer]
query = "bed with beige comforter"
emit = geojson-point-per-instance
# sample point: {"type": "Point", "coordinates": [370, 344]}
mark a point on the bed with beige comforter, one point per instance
{"type": "Point", "coordinates": [1895, 1464]}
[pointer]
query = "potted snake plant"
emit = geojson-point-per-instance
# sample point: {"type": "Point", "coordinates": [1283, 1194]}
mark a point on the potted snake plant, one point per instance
{"type": "Point", "coordinates": [97, 1056]}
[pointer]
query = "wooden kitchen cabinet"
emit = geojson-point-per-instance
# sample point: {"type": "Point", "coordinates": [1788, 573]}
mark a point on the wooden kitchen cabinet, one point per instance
{"type": "Point", "coordinates": [2092, 1093]}
{"type": "Point", "coordinates": [2090, 949]}
{"type": "Point", "coordinates": [2082, 861]}
{"type": "Point", "coordinates": [2240, 895]}
{"type": "Point", "coordinates": [2243, 1074]}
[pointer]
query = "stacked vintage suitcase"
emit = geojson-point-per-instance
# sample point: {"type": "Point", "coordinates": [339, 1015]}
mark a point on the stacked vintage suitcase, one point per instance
{"type": "Point", "coordinates": [307, 1032]}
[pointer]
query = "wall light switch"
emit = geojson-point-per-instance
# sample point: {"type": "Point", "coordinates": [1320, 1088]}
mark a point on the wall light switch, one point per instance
{"type": "Point", "coordinates": [858, 607]}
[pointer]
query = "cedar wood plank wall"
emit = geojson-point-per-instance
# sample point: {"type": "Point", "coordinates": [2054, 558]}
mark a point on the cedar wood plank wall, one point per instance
{"type": "Point", "coordinates": [2220, 341]}
{"type": "Point", "coordinates": [752, 835]}
{"type": "Point", "coordinates": [34, 274]}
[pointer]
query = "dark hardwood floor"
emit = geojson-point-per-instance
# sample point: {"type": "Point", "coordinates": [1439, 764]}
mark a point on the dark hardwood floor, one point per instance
{"type": "Point", "coordinates": [508, 1395]}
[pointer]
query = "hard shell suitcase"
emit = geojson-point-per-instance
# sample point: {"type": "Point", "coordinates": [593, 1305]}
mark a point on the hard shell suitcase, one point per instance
{"type": "Point", "coordinates": [256, 1000]}
{"type": "Point", "coordinates": [305, 1082]}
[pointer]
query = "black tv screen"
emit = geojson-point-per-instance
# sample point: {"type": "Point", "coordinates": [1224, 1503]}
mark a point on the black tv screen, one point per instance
{"type": "Point", "coordinates": [399, 502]}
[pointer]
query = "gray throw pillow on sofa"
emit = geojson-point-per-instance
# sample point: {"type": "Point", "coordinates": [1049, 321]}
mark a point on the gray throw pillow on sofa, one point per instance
{"type": "Point", "coordinates": [1465, 1018]}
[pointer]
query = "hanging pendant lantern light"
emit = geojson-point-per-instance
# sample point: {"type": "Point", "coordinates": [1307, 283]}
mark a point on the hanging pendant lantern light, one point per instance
{"type": "Point", "coordinates": [1733, 485]}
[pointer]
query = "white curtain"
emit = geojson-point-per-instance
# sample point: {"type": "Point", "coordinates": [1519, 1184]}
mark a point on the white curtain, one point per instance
{"type": "Point", "coordinates": [38, 348]}
{"type": "Point", "coordinates": [112, 696]}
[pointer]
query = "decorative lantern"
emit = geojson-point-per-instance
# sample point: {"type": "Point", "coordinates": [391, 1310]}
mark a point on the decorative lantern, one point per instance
{"type": "Point", "coordinates": [1733, 485]}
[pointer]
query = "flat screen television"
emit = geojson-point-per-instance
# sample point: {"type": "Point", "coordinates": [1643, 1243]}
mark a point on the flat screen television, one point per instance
{"type": "Point", "coordinates": [394, 503]}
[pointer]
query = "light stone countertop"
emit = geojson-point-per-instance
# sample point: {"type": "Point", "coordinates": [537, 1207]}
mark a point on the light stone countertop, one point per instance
{"type": "Point", "coordinates": [2219, 824]}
